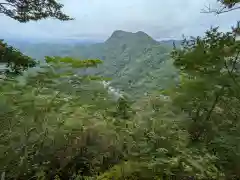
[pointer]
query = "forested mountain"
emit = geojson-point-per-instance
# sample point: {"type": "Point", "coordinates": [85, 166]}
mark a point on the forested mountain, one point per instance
{"type": "Point", "coordinates": [58, 122]}
{"type": "Point", "coordinates": [135, 62]}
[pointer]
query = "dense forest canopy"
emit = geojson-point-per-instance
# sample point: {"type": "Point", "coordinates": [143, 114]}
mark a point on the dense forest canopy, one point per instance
{"type": "Point", "coordinates": [59, 122]}
{"type": "Point", "coordinates": [134, 62]}
{"type": "Point", "coordinates": [28, 10]}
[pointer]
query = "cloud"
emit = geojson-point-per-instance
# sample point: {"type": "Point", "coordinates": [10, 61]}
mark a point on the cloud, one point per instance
{"type": "Point", "coordinates": [97, 19]}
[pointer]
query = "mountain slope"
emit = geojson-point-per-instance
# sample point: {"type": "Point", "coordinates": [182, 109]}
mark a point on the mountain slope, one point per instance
{"type": "Point", "coordinates": [135, 62]}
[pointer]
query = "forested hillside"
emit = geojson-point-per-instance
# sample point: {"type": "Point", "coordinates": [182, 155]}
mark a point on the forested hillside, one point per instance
{"type": "Point", "coordinates": [136, 63]}
{"type": "Point", "coordinates": [59, 122]}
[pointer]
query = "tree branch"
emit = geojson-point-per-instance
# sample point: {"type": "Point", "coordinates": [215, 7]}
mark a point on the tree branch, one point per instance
{"type": "Point", "coordinates": [224, 9]}
{"type": "Point", "coordinates": [8, 4]}
{"type": "Point", "coordinates": [233, 67]}
{"type": "Point", "coordinates": [228, 10]}
{"type": "Point", "coordinates": [218, 94]}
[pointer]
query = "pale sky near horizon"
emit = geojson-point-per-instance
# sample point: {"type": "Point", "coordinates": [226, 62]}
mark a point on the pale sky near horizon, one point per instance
{"type": "Point", "coordinates": [97, 19]}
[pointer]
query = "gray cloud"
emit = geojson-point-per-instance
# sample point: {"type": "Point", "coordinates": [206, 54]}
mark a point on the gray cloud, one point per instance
{"type": "Point", "coordinates": [97, 19]}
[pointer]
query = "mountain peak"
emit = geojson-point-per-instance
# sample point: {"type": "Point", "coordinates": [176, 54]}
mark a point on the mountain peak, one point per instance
{"type": "Point", "coordinates": [120, 35]}
{"type": "Point", "coordinates": [141, 33]}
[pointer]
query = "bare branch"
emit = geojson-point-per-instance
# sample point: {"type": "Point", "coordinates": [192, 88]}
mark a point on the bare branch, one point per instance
{"type": "Point", "coordinates": [232, 9]}
{"type": "Point", "coordinates": [221, 10]}
{"type": "Point", "coordinates": [8, 4]}
{"type": "Point", "coordinates": [216, 100]}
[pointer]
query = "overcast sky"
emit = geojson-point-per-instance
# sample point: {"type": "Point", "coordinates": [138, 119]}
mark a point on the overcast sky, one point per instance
{"type": "Point", "coordinates": [97, 19]}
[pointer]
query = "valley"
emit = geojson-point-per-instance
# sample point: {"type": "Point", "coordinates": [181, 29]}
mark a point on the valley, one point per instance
{"type": "Point", "coordinates": [136, 63]}
{"type": "Point", "coordinates": [128, 107]}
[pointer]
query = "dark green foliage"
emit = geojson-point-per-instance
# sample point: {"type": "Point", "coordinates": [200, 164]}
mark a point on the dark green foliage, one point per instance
{"type": "Point", "coordinates": [157, 147]}
{"type": "Point", "coordinates": [135, 62]}
{"type": "Point", "coordinates": [209, 94]}
{"type": "Point", "coordinates": [229, 3]}
{"type": "Point", "coordinates": [58, 121]}
{"type": "Point", "coordinates": [14, 60]}
{"type": "Point", "coordinates": [28, 10]}
{"type": "Point", "coordinates": [49, 131]}
{"type": "Point", "coordinates": [123, 108]}
{"type": "Point", "coordinates": [210, 68]}
{"type": "Point", "coordinates": [39, 128]}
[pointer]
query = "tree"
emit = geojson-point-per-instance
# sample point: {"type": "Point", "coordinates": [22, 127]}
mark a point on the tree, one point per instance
{"type": "Point", "coordinates": [209, 93]}
{"type": "Point", "coordinates": [123, 108]}
{"type": "Point", "coordinates": [210, 71]}
{"type": "Point", "coordinates": [225, 6]}
{"type": "Point", "coordinates": [41, 123]}
{"type": "Point", "coordinates": [15, 61]}
{"type": "Point", "coordinates": [33, 10]}
{"type": "Point", "coordinates": [24, 11]}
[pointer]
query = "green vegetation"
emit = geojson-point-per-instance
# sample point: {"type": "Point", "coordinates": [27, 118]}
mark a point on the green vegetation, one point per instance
{"type": "Point", "coordinates": [136, 63]}
{"type": "Point", "coordinates": [27, 10]}
{"type": "Point", "coordinates": [13, 61]}
{"type": "Point", "coordinates": [59, 122]}
{"type": "Point", "coordinates": [209, 94]}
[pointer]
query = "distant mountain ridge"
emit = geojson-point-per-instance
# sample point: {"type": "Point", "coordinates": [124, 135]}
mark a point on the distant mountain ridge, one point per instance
{"type": "Point", "coordinates": [120, 35]}
{"type": "Point", "coordinates": [134, 61]}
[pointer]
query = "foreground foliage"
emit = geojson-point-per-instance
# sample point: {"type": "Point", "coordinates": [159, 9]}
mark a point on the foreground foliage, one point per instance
{"type": "Point", "coordinates": [49, 130]}
{"type": "Point", "coordinates": [27, 10]}
{"type": "Point", "coordinates": [58, 122]}
{"type": "Point", "coordinates": [209, 94]}
{"type": "Point", "coordinates": [13, 61]}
